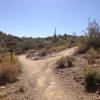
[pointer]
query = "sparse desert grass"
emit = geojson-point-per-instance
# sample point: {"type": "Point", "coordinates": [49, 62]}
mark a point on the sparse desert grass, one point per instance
{"type": "Point", "coordinates": [91, 78]}
{"type": "Point", "coordinates": [65, 62]}
{"type": "Point", "coordinates": [82, 45]}
{"type": "Point", "coordinates": [92, 52]}
{"type": "Point", "coordinates": [9, 70]}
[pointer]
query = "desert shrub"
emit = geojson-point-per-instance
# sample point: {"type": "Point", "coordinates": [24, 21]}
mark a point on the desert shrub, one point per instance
{"type": "Point", "coordinates": [56, 42]}
{"type": "Point", "coordinates": [45, 51]}
{"type": "Point", "coordinates": [91, 55]}
{"type": "Point", "coordinates": [42, 52]}
{"type": "Point", "coordinates": [2, 57]}
{"type": "Point", "coordinates": [9, 70]}
{"type": "Point", "coordinates": [91, 79]}
{"type": "Point", "coordinates": [92, 37]}
{"type": "Point", "coordinates": [82, 45]}
{"type": "Point", "coordinates": [30, 53]}
{"type": "Point", "coordinates": [65, 62]}
{"type": "Point", "coordinates": [93, 52]}
{"type": "Point", "coordinates": [58, 48]}
{"type": "Point", "coordinates": [2, 53]}
{"type": "Point", "coordinates": [90, 59]}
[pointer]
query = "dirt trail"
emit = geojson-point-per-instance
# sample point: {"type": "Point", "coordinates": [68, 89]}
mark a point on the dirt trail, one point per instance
{"type": "Point", "coordinates": [40, 81]}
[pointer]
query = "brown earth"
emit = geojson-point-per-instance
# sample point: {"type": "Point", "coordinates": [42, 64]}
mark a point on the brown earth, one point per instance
{"type": "Point", "coordinates": [40, 82]}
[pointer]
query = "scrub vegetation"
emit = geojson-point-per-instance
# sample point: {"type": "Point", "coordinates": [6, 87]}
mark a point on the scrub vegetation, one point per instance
{"type": "Point", "coordinates": [9, 70]}
{"type": "Point", "coordinates": [79, 71]}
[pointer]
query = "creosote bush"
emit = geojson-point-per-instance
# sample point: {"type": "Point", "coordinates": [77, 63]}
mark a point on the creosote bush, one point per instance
{"type": "Point", "coordinates": [65, 62]}
{"type": "Point", "coordinates": [91, 79]}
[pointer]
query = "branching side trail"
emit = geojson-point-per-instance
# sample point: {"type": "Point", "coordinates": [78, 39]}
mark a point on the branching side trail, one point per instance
{"type": "Point", "coordinates": [40, 82]}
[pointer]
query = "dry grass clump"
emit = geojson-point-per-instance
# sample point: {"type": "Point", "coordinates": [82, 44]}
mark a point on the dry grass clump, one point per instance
{"type": "Point", "coordinates": [65, 62]}
{"type": "Point", "coordinates": [91, 55]}
{"type": "Point", "coordinates": [9, 70]}
{"type": "Point", "coordinates": [57, 48]}
{"type": "Point", "coordinates": [82, 45]}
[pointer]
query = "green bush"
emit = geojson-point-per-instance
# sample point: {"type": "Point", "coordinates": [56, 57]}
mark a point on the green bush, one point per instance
{"type": "Point", "coordinates": [65, 62]}
{"type": "Point", "coordinates": [91, 79]}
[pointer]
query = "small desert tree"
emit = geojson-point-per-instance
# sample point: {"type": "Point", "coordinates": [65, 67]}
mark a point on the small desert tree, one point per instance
{"type": "Point", "coordinates": [93, 34]}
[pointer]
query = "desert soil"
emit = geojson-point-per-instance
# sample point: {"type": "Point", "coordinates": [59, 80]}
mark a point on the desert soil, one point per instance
{"type": "Point", "coordinates": [39, 81]}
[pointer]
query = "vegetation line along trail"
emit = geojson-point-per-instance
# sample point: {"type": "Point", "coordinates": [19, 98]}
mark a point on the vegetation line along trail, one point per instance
{"type": "Point", "coordinates": [40, 80]}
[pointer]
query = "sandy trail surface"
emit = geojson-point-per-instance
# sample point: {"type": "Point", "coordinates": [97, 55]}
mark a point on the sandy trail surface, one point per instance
{"type": "Point", "coordinates": [39, 80]}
